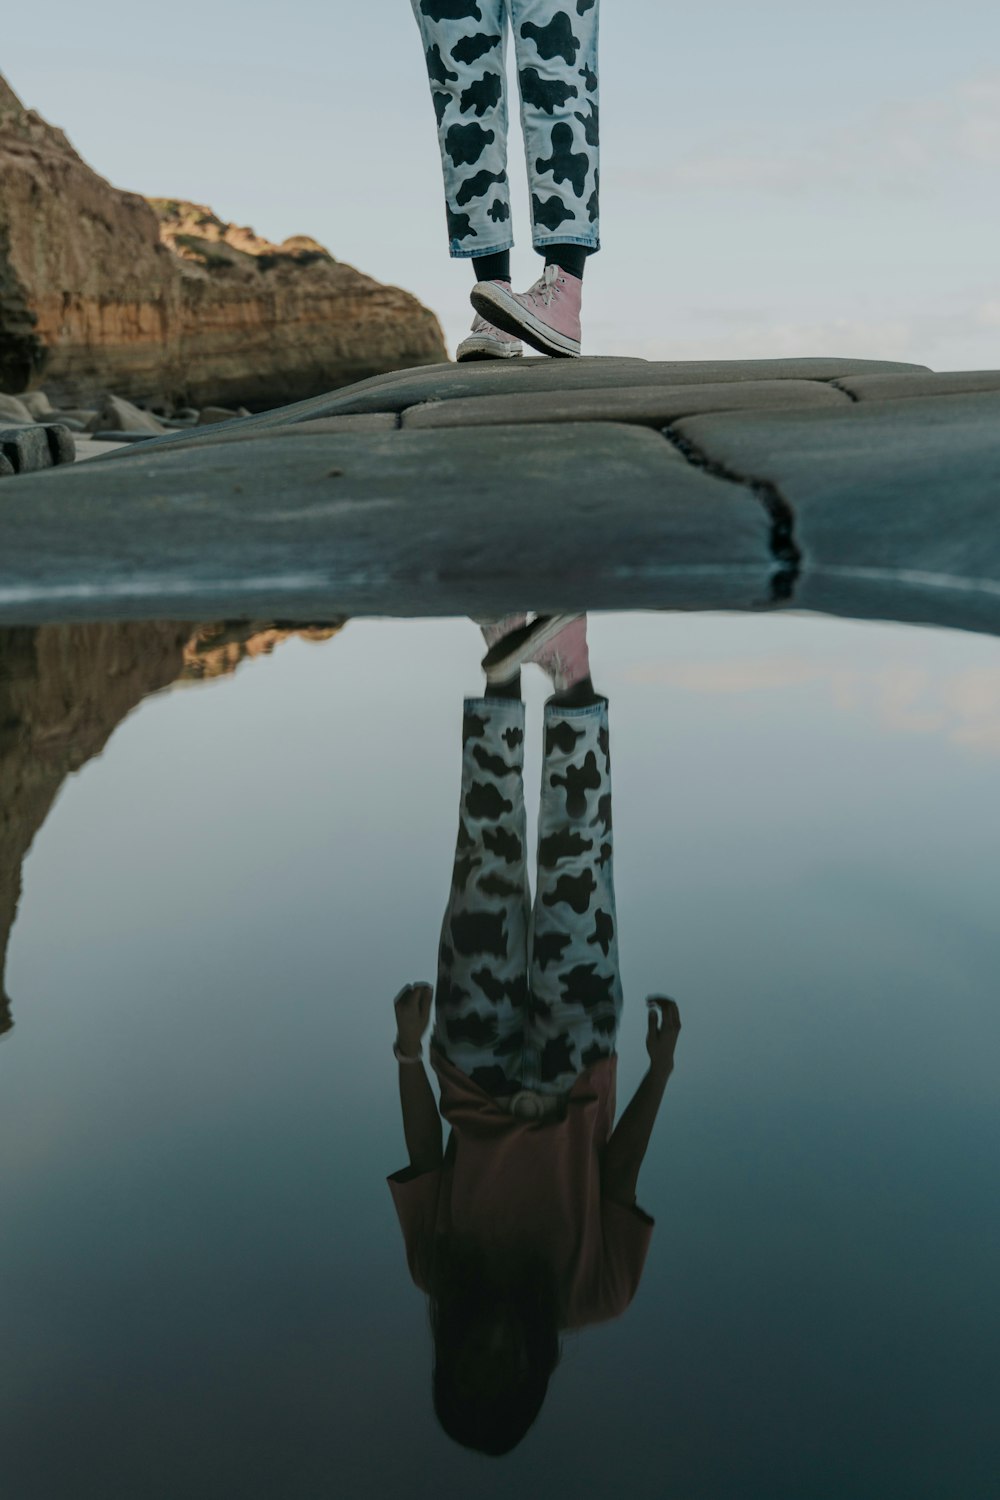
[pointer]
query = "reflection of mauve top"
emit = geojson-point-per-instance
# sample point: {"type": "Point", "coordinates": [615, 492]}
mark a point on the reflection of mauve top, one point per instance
{"type": "Point", "coordinates": [530, 1183]}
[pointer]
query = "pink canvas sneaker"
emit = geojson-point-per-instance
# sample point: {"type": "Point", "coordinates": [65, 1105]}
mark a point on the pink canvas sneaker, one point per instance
{"type": "Point", "coordinates": [556, 643]}
{"type": "Point", "coordinates": [546, 316]}
{"type": "Point", "coordinates": [496, 627]}
{"type": "Point", "coordinates": [488, 342]}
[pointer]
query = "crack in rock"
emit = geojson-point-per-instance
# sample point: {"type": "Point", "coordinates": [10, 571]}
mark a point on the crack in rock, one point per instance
{"type": "Point", "coordinates": [843, 388]}
{"type": "Point", "coordinates": [781, 538]}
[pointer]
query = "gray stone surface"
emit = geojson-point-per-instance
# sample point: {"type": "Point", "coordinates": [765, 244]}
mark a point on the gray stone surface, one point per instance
{"type": "Point", "coordinates": [87, 447]}
{"type": "Point", "coordinates": [444, 383]}
{"type": "Point", "coordinates": [62, 449]}
{"type": "Point", "coordinates": [934, 383]}
{"type": "Point", "coordinates": [38, 404]}
{"type": "Point", "coordinates": [210, 415]}
{"type": "Point", "coordinates": [82, 414]}
{"type": "Point", "coordinates": [567, 516]}
{"type": "Point", "coordinates": [12, 409]}
{"type": "Point", "coordinates": [398, 390]}
{"type": "Point", "coordinates": [25, 448]}
{"type": "Point", "coordinates": [37, 446]}
{"type": "Point", "coordinates": [896, 504]}
{"type": "Point", "coordinates": [322, 509]}
{"type": "Point", "coordinates": [365, 422]}
{"type": "Point", "coordinates": [117, 415]}
{"type": "Point", "coordinates": [650, 406]}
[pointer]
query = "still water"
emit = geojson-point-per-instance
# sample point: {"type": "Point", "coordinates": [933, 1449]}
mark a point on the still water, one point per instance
{"type": "Point", "coordinates": [237, 845]}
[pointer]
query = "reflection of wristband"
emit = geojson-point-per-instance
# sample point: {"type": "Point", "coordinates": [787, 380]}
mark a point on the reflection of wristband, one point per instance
{"type": "Point", "coordinates": [404, 1057]}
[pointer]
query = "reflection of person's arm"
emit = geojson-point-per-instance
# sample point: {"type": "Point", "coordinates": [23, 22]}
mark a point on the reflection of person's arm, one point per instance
{"type": "Point", "coordinates": [421, 1121]}
{"type": "Point", "coordinates": [626, 1149]}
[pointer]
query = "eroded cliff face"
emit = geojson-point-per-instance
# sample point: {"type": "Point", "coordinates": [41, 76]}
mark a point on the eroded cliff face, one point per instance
{"type": "Point", "coordinates": [64, 689]}
{"type": "Point", "coordinates": [102, 289]}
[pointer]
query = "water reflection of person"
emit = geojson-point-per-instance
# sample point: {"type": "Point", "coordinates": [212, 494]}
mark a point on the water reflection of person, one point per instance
{"type": "Point", "coordinates": [527, 1225]}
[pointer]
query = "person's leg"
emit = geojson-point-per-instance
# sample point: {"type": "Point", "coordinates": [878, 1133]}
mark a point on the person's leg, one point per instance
{"type": "Point", "coordinates": [464, 47]}
{"type": "Point", "coordinates": [492, 267]}
{"type": "Point", "coordinates": [556, 47]}
{"type": "Point", "coordinates": [575, 985]}
{"type": "Point", "coordinates": [482, 964]}
{"type": "Point", "coordinates": [571, 258]}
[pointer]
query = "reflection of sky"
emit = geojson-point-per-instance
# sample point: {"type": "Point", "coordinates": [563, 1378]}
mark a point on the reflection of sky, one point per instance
{"type": "Point", "coordinates": [776, 180]}
{"type": "Point", "coordinates": [204, 1290]}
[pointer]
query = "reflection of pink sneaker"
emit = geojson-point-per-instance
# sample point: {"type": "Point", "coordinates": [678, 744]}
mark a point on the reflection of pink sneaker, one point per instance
{"type": "Point", "coordinates": [496, 627]}
{"type": "Point", "coordinates": [488, 342]}
{"type": "Point", "coordinates": [556, 643]}
{"type": "Point", "coordinates": [546, 316]}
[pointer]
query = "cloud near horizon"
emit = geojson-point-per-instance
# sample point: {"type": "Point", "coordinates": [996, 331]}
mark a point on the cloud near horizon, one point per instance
{"type": "Point", "coordinates": [907, 148]}
{"type": "Point", "coordinates": [962, 706]}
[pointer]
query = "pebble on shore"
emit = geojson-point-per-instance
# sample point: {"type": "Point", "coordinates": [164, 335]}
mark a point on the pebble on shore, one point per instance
{"type": "Point", "coordinates": [35, 434]}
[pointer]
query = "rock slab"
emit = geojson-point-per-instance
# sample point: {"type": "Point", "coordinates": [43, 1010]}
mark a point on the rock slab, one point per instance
{"type": "Point", "coordinates": [894, 502]}
{"type": "Point", "coordinates": [410, 523]}
{"type": "Point", "coordinates": [647, 405]}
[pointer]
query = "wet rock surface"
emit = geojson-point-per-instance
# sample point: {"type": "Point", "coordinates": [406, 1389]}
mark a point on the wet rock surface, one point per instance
{"type": "Point", "coordinates": [850, 486]}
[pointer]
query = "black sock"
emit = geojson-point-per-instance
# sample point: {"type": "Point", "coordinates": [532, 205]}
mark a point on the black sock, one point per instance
{"type": "Point", "coordinates": [571, 258]}
{"type": "Point", "coordinates": [510, 689]}
{"type": "Point", "coordinates": [580, 695]}
{"type": "Point", "coordinates": [492, 267]}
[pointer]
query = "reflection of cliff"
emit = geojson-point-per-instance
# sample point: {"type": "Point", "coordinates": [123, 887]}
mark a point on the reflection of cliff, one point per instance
{"type": "Point", "coordinates": [217, 650]}
{"type": "Point", "coordinates": [64, 689]}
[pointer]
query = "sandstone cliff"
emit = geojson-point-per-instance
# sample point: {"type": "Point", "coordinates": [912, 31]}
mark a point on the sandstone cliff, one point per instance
{"type": "Point", "coordinates": [65, 688]}
{"type": "Point", "coordinates": [102, 289]}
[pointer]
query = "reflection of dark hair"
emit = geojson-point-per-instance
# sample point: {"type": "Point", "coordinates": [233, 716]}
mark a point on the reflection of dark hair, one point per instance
{"type": "Point", "coordinates": [6, 1019]}
{"type": "Point", "coordinates": [496, 1342]}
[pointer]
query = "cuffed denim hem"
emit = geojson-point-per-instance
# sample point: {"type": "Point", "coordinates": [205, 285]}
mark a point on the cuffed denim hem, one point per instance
{"type": "Point", "coordinates": [592, 243]}
{"type": "Point", "coordinates": [514, 707]}
{"type": "Point", "coordinates": [556, 710]}
{"type": "Point", "coordinates": [457, 253]}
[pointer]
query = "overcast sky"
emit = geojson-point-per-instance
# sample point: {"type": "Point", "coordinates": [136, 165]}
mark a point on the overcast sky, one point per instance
{"type": "Point", "coordinates": [778, 178]}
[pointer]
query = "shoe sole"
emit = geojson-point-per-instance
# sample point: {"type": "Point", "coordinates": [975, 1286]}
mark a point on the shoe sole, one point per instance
{"type": "Point", "coordinates": [504, 660]}
{"type": "Point", "coordinates": [500, 309]}
{"type": "Point", "coordinates": [483, 347]}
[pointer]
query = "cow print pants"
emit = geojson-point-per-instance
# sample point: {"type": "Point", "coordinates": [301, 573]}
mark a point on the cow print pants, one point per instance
{"type": "Point", "coordinates": [529, 998]}
{"type": "Point", "coordinates": [555, 45]}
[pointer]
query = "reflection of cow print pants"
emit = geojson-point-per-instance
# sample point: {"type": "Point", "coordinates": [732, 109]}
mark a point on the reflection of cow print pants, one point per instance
{"type": "Point", "coordinates": [555, 43]}
{"type": "Point", "coordinates": [508, 1020]}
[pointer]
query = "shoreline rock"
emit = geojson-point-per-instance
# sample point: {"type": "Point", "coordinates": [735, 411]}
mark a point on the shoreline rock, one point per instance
{"type": "Point", "coordinates": [101, 289]}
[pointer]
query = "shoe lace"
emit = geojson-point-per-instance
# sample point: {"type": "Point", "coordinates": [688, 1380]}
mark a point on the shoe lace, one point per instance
{"type": "Point", "coordinates": [546, 287]}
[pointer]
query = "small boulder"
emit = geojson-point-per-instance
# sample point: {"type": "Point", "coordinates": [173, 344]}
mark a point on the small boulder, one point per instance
{"type": "Point", "coordinates": [25, 449]}
{"type": "Point", "coordinates": [209, 414]}
{"type": "Point", "coordinates": [82, 414]}
{"type": "Point", "coordinates": [13, 409]}
{"type": "Point", "coordinates": [37, 403]}
{"type": "Point", "coordinates": [62, 448]}
{"type": "Point", "coordinates": [117, 415]}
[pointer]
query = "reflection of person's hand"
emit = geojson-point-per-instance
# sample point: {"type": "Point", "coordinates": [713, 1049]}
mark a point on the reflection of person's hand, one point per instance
{"type": "Point", "coordinates": [662, 1032]}
{"type": "Point", "coordinates": [413, 1013]}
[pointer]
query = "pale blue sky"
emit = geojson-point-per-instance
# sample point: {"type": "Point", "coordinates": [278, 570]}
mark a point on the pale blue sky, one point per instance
{"type": "Point", "coordinates": [783, 178]}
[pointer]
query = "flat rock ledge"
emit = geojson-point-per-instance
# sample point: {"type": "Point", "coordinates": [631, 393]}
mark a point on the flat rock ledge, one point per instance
{"type": "Point", "coordinates": [858, 488]}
